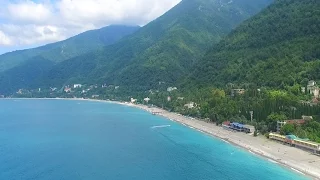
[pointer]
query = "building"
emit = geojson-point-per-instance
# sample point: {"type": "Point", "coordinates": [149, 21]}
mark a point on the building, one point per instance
{"type": "Point", "coordinates": [237, 92]}
{"type": "Point", "coordinates": [226, 124]}
{"type": "Point", "coordinates": [133, 100]}
{"type": "Point", "coordinates": [190, 105]}
{"type": "Point", "coordinates": [169, 89]}
{"type": "Point", "coordinates": [312, 83]}
{"type": "Point", "coordinates": [315, 92]}
{"type": "Point", "coordinates": [313, 89]}
{"type": "Point", "coordinates": [95, 96]}
{"type": "Point", "coordinates": [294, 141]}
{"type": "Point", "coordinates": [249, 128]}
{"type": "Point", "coordinates": [237, 126]}
{"type": "Point", "coordinates": [77, 86]}
{"type": "Point", "coordinates": [53, 89]}
{"type": "Point", "coordinates": [146, 100]}
{"type": "Point", "coordinates": [67, 89]}
{"type": "Point", "coordinates": [280, 124]}
{"type": "Point", "coordinates": [307, 118]}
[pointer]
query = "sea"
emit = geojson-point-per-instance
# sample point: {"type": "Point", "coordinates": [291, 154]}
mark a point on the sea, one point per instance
{"type": "Point", "coordinates": [75, 140]}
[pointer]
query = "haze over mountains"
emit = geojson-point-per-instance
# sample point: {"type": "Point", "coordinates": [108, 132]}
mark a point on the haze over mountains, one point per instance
{"type": "Point", "coordinates": [165, 50]}
{"type": "Point", "coordinates": [72, 47]}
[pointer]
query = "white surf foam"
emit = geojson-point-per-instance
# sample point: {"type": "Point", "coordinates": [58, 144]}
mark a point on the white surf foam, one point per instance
{"type": "Point", "coordinates": [161, 126]}
{"type": "Point", "coordinates": [225, 141]}
{"type": "Point", "coordinates": [272, 161]}
{"type": "Point", "coordinates": [297, 171]}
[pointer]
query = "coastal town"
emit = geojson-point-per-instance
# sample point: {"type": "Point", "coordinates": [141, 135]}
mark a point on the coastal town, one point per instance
{"type": "Point", "coordinates": [278, 146]}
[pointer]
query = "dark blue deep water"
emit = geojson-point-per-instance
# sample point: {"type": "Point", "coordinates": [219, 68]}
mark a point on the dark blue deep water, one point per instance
{"type": "Point", "coordinates": [63, 139]}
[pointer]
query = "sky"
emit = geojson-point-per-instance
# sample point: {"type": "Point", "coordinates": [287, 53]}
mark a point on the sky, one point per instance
{"type": "Point", "coordinates": [31, 23]}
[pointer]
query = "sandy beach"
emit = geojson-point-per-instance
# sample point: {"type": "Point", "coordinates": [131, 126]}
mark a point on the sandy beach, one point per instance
{"type": "Point", "coordinates": [293, 158]}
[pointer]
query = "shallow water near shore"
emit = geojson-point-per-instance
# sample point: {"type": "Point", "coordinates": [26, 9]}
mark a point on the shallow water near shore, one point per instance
{"type": "Point", "coordinates": [63, 139]}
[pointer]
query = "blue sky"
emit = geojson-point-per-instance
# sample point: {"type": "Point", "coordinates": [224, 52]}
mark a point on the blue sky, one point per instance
{"type": "Point", "coordinates": [31, 23]}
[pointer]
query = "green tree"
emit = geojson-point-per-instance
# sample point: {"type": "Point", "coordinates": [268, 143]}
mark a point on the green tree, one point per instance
{"type": "Point", "coordinates": [287, 129]}
{"type": "Point", "coordinates": [273, 118]}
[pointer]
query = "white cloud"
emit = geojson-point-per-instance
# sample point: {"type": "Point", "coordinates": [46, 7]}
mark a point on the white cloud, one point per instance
{"type": "Point", "coordinates": [4, 39]}
{"type": "Point", "coordinates": [44, 21]}
{"type": "Point", "coordinates": [29, 12]}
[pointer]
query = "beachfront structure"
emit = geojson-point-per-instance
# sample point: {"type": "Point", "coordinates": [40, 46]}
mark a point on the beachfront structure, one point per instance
{"type": "Point", "coordinates": [238, 127]}
{"type": "Point", "coordinates": [280, 124]}
{"type": "Point", "coordinates": [226, 125]}
{"type": "Point", "coordinates": [249, 128]}
{"type": "Point", "coordinates": [95, 96]}
{"type": "Point", "coordinates": [132, 100]}
{"type": "Point", "coordinates": [296, 142]}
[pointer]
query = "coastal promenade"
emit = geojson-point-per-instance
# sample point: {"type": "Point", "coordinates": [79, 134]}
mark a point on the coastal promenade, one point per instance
{"type": "Point", "coordinates": [296, 159]}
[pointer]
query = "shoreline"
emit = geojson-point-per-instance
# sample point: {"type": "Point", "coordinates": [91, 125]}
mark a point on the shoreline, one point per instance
{"type": "Point", "coordinates": [293, 159]}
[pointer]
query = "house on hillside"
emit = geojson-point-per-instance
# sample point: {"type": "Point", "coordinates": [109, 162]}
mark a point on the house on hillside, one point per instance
{"type": "Point", "coordinates": [280, 124]}
{"type": "Point", "coordinates": [170, 89]}
{"type": "Point", "coordinates": [67, 89]}
{"type": "Point", "coordinates": [235, 92]}
{"type": "Point", "coordinates": [313, 89]}
{"type": "Point", "coordinates": [190, 105]}
{"type": "Point", "coordinates": [77, 86]}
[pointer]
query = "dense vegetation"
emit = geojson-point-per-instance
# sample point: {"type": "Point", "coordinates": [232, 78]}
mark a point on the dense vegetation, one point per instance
{"type": "Point", "coordinates": [272, 56]}
{"type": "Point", "coordinates": [268, 107]}
{"type": "Point", "coordinates": [278, 47]}
{"type": "Point", "coordinates": [72, 47]}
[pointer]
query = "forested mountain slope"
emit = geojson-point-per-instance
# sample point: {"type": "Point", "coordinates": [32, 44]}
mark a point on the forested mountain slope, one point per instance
{"type": "Point", "coordinates": [279, 46]}
{"type": "Point", "coordinates": [69, 48]}
{"type": "Point", "coordinates": [162, 51]}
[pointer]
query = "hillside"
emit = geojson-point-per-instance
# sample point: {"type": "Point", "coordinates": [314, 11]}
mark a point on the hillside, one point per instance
{"type": "Point", "coordinates": [279, 46]}
{"type": "Point", "coordinates": [72, 47]}
{"type": "Point", "coordinates": [163, 50]}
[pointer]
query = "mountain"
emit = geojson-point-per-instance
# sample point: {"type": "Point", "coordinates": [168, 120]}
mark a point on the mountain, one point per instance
{"type": "Point", "coordinates": [162, 51]}
{"type": "Point", "coordinates": [72, 47]}
{"type": "Point", "coordinates": [279, 46]}
{"type": "Point", "coordinates": [24, 75]}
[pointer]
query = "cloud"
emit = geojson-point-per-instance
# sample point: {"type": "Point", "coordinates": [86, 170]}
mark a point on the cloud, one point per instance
{"type": "Point", "coordinates": [29, 12]}
{"type": "Point", "coordinates": [39, 22]}
{"type": "Point", "coordinates": [4, 39]}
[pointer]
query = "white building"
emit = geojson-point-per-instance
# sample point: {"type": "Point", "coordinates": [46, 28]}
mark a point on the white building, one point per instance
{"type": "Point", "coordinates": [133, 100]}
{"type": "Point", "coordinates": [77, 86]}
{"type": "Point", "coordinates": [146, 99]}
{"type": "Point", "coordinates": [280, 124]}
{"type": "Point", "coordinates": [190, 105]}
{"type": "Point", "coordinates": [169, 89]}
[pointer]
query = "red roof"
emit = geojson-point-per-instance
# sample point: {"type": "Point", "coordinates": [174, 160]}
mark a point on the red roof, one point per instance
{"type": "Point", "coordinates": [226, 123]}
{"type": "Point", "coordinates": [296, 121]}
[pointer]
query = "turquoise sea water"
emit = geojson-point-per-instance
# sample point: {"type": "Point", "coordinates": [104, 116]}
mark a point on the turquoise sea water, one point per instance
{"type": "Point", "coordinates": [63, 139]}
